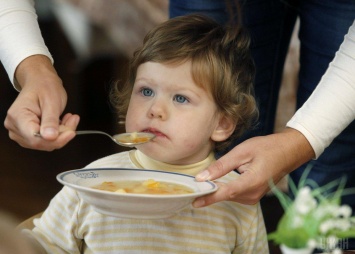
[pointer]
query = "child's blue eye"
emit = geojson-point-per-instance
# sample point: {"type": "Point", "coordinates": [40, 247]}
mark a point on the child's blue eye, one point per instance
{"type": "Point", "coordinates": [180, 99]}
{"type": "Point", "coordinates": [147, 92]}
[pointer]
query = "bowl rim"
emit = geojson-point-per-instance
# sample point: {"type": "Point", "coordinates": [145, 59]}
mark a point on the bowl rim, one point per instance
{"type": "Point", "coordinates": [60, 178]}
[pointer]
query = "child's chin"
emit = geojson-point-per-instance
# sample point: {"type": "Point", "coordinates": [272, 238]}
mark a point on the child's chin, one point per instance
{"type": "Point", "coordinates": [155, 154]}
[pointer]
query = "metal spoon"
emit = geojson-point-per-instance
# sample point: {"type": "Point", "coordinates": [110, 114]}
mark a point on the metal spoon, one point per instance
{"type": "Point", "coordinates": [123, 139]}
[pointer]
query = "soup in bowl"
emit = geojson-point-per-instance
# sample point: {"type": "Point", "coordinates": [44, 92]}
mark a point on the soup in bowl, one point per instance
{"type": "Point", "coordinates": [149, 186]}
{"type": "Point", "coordinates": [136, 193]}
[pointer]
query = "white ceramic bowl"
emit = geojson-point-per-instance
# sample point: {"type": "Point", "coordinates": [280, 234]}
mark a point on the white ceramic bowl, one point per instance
{"type": "Point", "coordinates": [126, 205]}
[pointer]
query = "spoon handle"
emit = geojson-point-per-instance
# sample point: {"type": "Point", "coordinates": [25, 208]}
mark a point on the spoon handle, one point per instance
{"type": "Point", "coordinates": [81, 133]}
{"type": "Point", "coordinates": [93, 132]}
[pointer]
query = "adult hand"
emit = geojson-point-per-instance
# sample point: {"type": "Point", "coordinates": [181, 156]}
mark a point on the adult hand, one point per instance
{"type": "Point", "coordinates": [259, 160]}
{"type": "Point", "coordinates": [38, 107]}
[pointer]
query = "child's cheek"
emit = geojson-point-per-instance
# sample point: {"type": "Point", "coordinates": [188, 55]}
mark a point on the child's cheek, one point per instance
{"type": "Point", "coordinates": [189, 143]}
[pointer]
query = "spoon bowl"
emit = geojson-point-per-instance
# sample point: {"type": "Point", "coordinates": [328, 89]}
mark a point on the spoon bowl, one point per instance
{"type": "Point", "coordinates": [133, 138]}
{"type": "Point", "coordinates": [128, 139]}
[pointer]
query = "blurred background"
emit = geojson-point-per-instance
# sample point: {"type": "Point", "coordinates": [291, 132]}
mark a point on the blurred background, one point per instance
{"type": "Point", "coordinates": [91, 43]}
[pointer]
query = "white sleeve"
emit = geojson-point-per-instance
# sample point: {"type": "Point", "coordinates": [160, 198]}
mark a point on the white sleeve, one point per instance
{"type": "Point", "coordinates": [20, 36]}
{"type": "Point", "coordinates": [331, 107]}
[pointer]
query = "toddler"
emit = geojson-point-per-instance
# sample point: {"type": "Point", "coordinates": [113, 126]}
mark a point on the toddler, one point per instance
{"type": "Point", "coordinates": [191, 84]}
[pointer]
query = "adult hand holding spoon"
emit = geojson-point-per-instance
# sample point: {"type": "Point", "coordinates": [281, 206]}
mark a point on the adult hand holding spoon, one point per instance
{"type": "Point", "coordinates": [67, 127]}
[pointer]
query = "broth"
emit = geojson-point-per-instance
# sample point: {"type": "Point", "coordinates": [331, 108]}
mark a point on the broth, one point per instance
{"type": "Point", "coordinates": [149, 186]}
{"type": "Point", "coordinates": [133, 138]}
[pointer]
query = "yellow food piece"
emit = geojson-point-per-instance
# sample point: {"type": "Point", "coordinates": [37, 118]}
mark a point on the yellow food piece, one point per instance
{"type": "Point", "coordinates": [134, 135]}
{"type": "Point", "coordinates": [149, 186]}
{"type": "Point", "coordinates": [150, 183]}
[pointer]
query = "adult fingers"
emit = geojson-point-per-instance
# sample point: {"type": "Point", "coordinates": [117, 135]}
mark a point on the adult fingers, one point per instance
{"type": "Point", "coordinates": [246, 189]}
{"type": "Point", "coordinates": [230, 161]}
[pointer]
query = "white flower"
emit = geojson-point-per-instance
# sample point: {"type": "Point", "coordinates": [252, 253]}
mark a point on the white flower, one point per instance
{"type": "Point", "coordinates": [305, 202]}
{"type": "Point", "coordinates": [326, 226]}
{"type": "Point", "coordinates": [342, 224]}
{"type": "Point", "coordinates": [344, 211]}
{"type": "Point", "coordinates": [304, 192]}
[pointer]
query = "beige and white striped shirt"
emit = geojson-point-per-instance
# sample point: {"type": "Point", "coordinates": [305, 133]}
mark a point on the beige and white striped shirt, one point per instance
{"type": "Point", "coordinates": [69, 225]}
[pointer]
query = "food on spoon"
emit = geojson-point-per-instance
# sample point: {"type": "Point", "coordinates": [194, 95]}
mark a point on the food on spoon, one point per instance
{"type": "Point", "coordinates": [134, 135]}
{"type": "Point", "coordinates": [149, 186]}
{"type": "Point", "coordinates": [134, 138]}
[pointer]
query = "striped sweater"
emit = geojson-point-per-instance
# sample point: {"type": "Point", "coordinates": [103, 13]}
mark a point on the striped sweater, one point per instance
{"type": "Point", "coordinates": [69, 225]}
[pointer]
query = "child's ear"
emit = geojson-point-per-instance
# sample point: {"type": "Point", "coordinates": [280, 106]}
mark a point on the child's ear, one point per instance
{"type": "Point", "coordinates": [224, 129]}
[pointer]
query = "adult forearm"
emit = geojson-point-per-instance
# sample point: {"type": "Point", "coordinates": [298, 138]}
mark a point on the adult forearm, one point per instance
{"type": "Point", "coordinates": [20, 34]}
{"type": "Point", "coordinates": [295, 149]}
{"type": "Point", "coordinates": [33, 67]}
{"type": "Point", "coordinates": [331, 107]}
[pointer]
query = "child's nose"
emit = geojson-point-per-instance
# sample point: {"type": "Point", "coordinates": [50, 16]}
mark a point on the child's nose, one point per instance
{"type": "Point", "coordinates": [157, 111]}
{"type": "Point", "coordinates": [158, 115]}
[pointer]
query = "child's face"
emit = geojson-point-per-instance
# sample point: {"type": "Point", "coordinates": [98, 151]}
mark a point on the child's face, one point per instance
{"type": "Point", "coordinates": [166, 101]}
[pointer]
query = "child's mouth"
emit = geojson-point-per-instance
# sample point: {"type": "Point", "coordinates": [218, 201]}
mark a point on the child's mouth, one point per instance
{"type": "Point", "coordinates": [156, 132]}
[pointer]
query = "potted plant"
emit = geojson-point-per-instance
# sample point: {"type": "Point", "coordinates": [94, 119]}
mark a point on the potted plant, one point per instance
{"type": "Point", "coordinates": [314, 219]}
